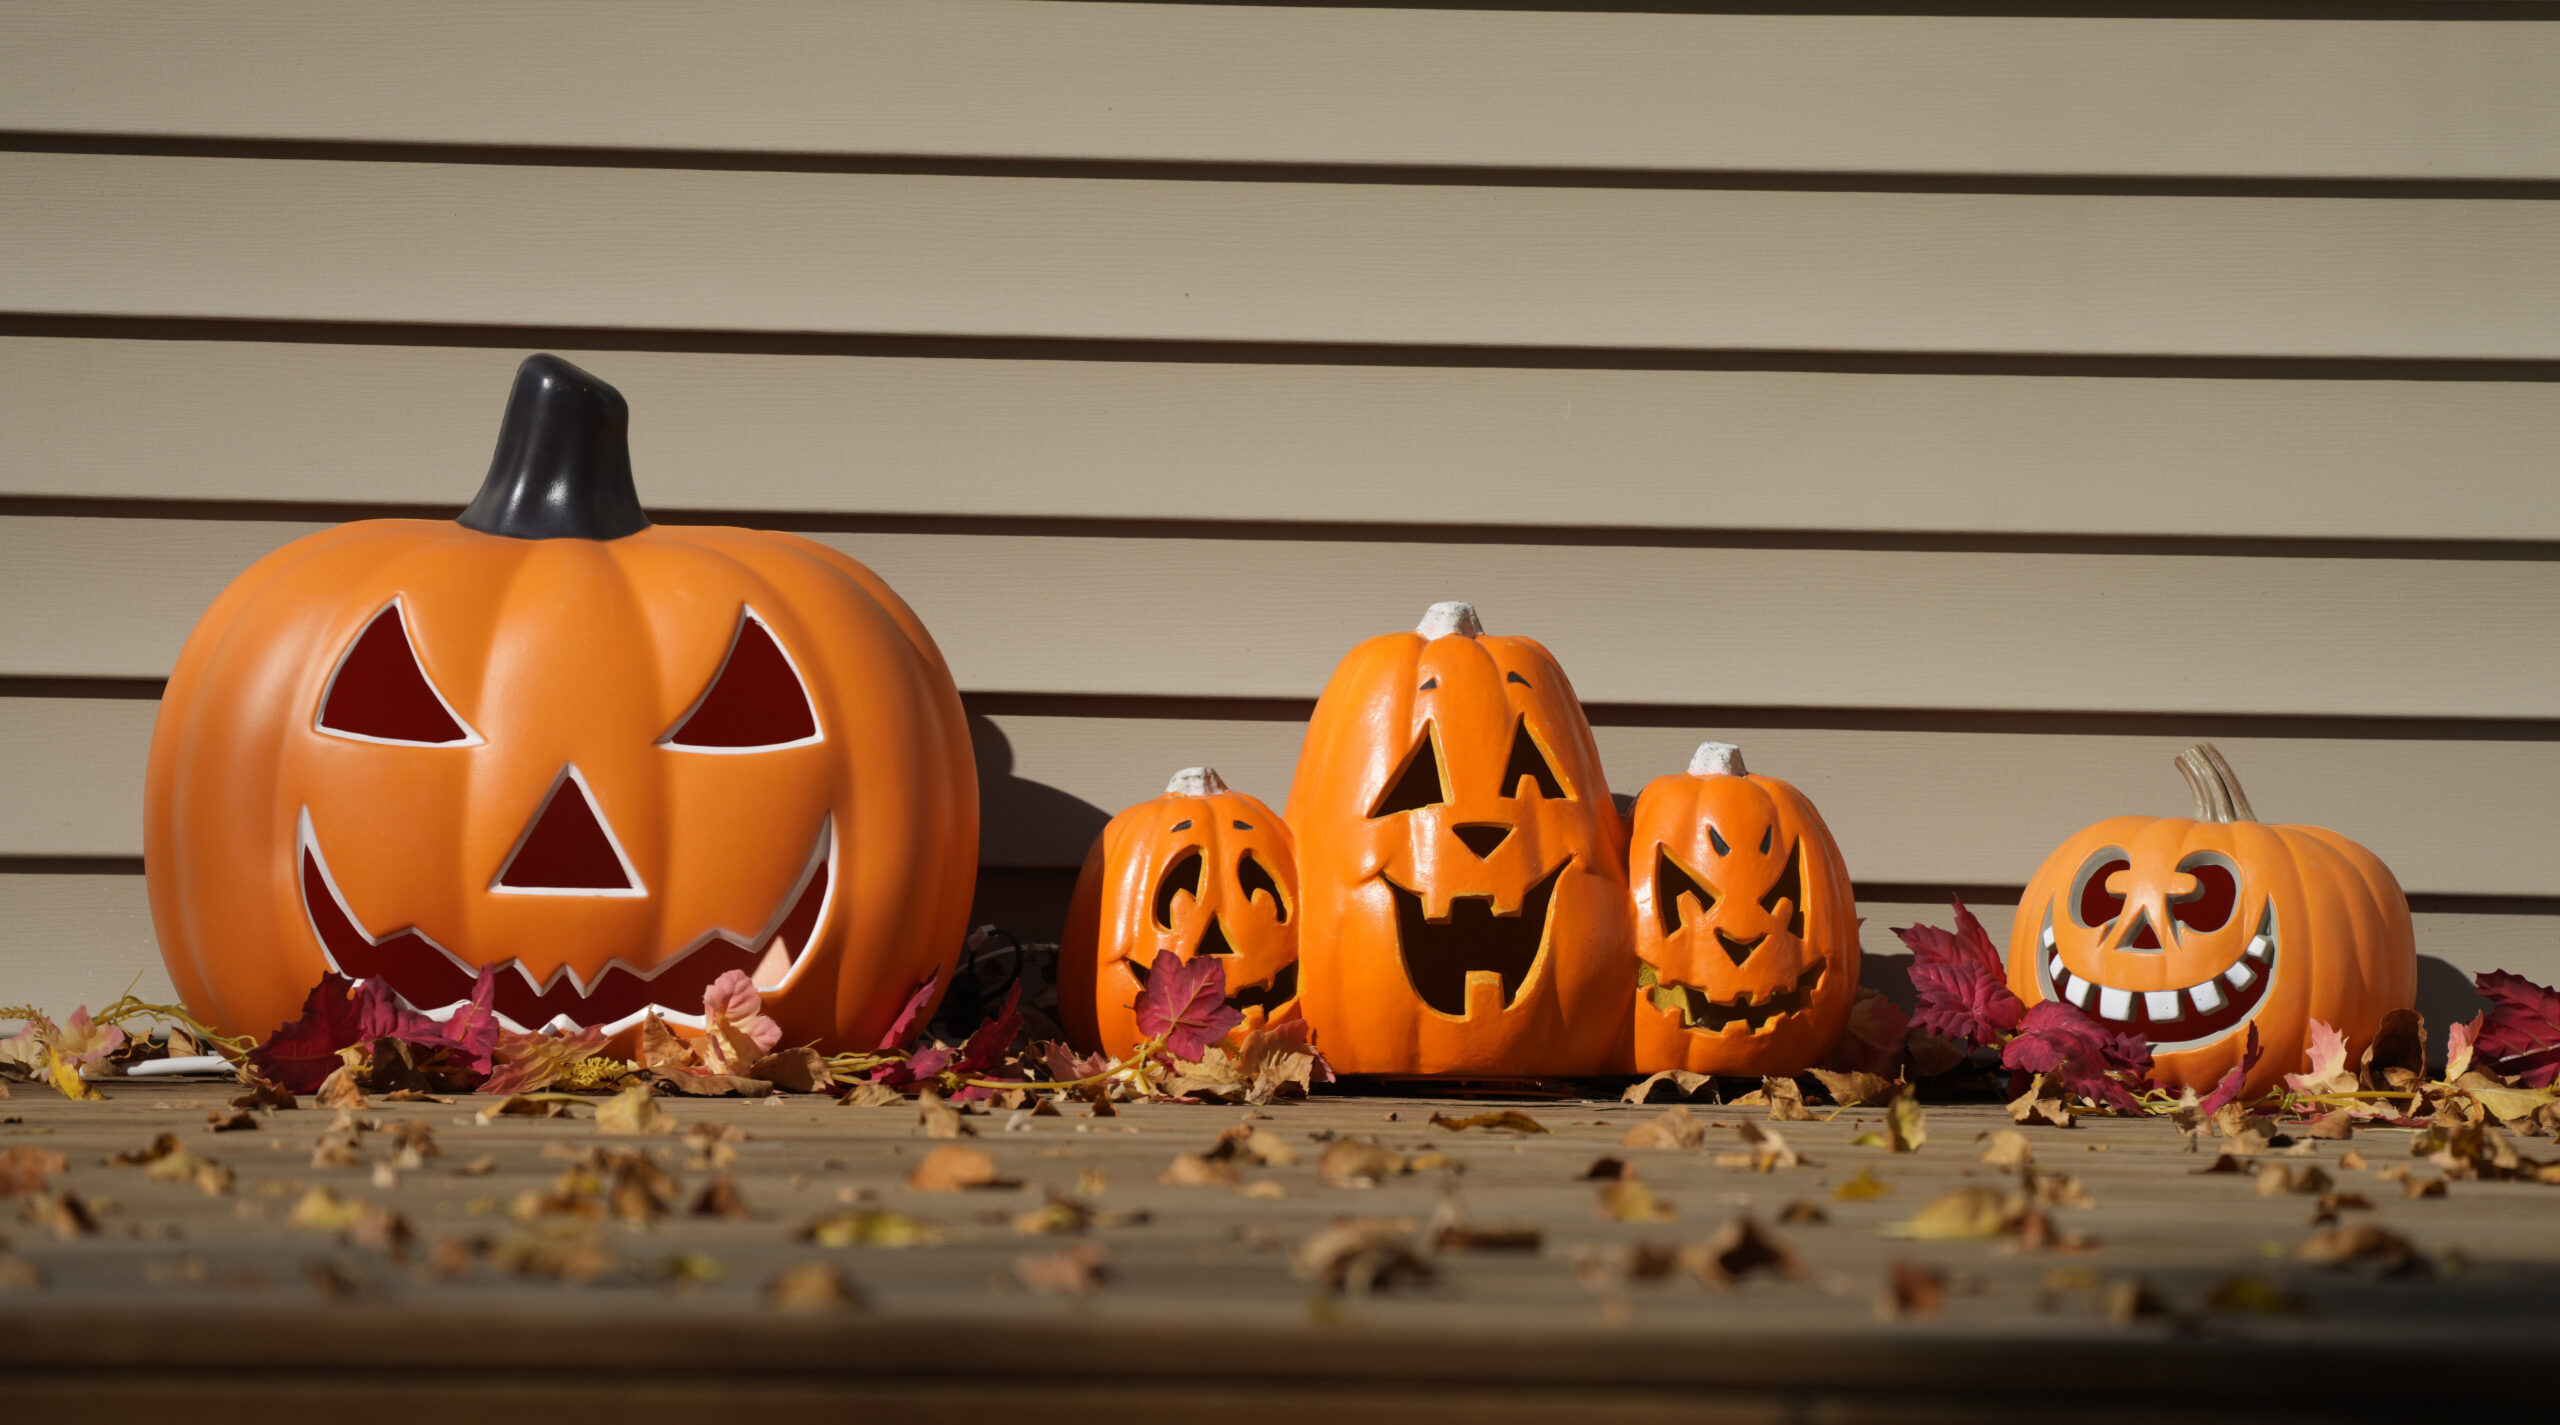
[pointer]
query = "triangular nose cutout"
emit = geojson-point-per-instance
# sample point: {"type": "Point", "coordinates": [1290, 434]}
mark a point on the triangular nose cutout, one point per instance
{"type": "Point", "coordinates": [1213, 941]}
{"type": "Point", "coordinates": [568, 851]}
{"type": "Point", "coordinates": [2140, 935]}
{"type": "Point", "coordinates": [1482, 837]}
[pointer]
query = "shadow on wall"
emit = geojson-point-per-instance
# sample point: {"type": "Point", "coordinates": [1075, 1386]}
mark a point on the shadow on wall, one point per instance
{"type": "Point", "coordinates": [2446, 997]}
{"type": "Point", "coordinates": [1030, 837]}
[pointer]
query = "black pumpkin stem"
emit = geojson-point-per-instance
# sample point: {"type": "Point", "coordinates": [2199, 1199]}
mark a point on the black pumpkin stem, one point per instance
{"type": "Point", "coordinates": [563, 467]}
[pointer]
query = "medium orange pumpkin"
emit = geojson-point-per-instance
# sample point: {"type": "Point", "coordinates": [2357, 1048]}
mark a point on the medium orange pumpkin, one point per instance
{"type": "Point", "coordinates": [1460, 863]}
{"type": "Point", "coordinates": [2187, 930]}
{"type": "Point", "coordinates": [1746, 928]}
{"type": "Point", "coordinates": [1201, 870]}
{"type": "Point", "coordinates": [611, 757]}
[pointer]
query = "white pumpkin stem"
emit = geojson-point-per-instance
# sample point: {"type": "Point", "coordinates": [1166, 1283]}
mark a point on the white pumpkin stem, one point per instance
{"type": "Point", "coordinates": [2217, 787]}
{"type": "Point", "coordinates": [1443, 619]}
{"type": "Point", "coordinates": [1195, 782]}
{"type": "Point", "coordinates": [1717, 759]}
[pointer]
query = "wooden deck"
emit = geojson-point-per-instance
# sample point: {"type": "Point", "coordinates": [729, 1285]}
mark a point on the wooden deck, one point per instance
{"type": "Point", "coordinates": [217, 1305]}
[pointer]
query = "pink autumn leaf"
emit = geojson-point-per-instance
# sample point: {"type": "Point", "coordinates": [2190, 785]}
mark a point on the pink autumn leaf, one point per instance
{"type": "Point", "coordinates": [732, 1000]}
{"type": "Point", "coordinates": [473, 1030]}
{"type": "Point", "coordinates": [1185, 1001]}
{"type": "Point", "coordinates": [81, 1041]}
{"type": "Point", "coordinates": [2327, 1054]}
{"type": "Point", "coordinates": [2228, 1091]}
{"type": "Point", "coordinates": [2521, 1031]}
{"type": "Point", "coordinates": [2459, 1043]}
{"type": "Point", "coordinates": [1964, 993]}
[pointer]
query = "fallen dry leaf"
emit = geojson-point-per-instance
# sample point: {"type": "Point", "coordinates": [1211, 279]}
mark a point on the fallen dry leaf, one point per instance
{"type": "Point", "coordinates": [2326, 1054]}
{"type": "Point", "coordinates": [1801, 1213]}
{"type": "Point", "coordinates": [720, 1198]}
{"type": "Point", "coordinates": [1785, 1098]}
{"type": "Point", "coordinates": [634, 1112]}
{"type": "Point", "coordinates": [1451, 1230]}
{"type": "Point", "coordinates": [939, 1119]}
{"type": "Point", "coordinates": [2009, 1149]}
{"type": "Point", "coordinates": [1630, 1200]}
{"type": "Point", "coordinates": [1857, 1090]}
{"type": "Point", "coordinates": [19, 1274]}
{"type": "Point", "coordinates": [811, 1287]}
{"type": "Point", "coordinates": [529, 1105]}
{"type": "Point", "coordinates": [1506, 1120]}
{"type": "Point", "coordinates": [869, 1095]}
{"type": "Point", "coordinates": [1350, 1163]}
{"type": "Point", "coordinates": [340, 1090]}
{"type": "Point", "coordinates": [25, 1169]}
{"type": "Point", "coordinates": [1964, 1215]}
{"type": "Point", "coordinates": [1197, 1170]}
{"type": "Point", "coordinates": [2275, 1178]}
{"type": "Point", "coordinates": [1675, 1127]}
{"type": "Point", "coordinates": [953, 1168]}
{"type": "Point", "coordinates": [2352, 1161]}
{"type": "Point", "coordinates": [871, 1227]}
{"type": "Point", "coordinates": [1766, 1151]}
{"type": "Point", "coordinates": [2043, 1102]}
{"type": "Point", "coordinates": [2249, 1294]}
{"type": "Point", "coordinates": [1058, 1217]}
{"type": "Point", "coordinates": [2363, 1245]}
{"type": "Point", "coordinates": [237, 1121]}
{"type": "Point", "coordinates": [571, 1256]}
{"type": "Point", "coordinates": [1739, 1249]}
{"type": "Point", "coordinates": [1605, 1168]}
{"type": "Point", "coordinates": [259, 1091]}
{"type": "Point", "coordinates": [1861, 1186]}
{"type": "Point", "coordinates": [1905, 1123]}
{"type": "Point", "coordinates": [1673, 1084]}
{"type": "Point", "coordinates": [801, 1070]}
{"type": "Point", "coordinates": [1359, 1256]}
{"type": "Point", "coordinates": [64, 1214]}
{"type": "Point", "coordinates": [2127, 1300]}
{"type": "Point", "coordinates": [1913, 1291]}
{"type": "Point", "coordinates": [1071, 1271]}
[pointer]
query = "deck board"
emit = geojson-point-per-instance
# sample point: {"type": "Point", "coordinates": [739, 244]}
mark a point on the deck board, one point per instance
{"type": "Point", "coordinates": [211, 1297]}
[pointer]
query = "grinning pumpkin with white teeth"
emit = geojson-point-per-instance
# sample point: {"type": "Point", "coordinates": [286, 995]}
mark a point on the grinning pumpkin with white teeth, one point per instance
{"type": "Point", "coordinates": [1746, 928]}
{"type": "Point", "coordinates": [1201, 870]}
{"type": "Point", "coordinates": [2187, 931]}
{"type": "Point", "coordinates": [609, 759]}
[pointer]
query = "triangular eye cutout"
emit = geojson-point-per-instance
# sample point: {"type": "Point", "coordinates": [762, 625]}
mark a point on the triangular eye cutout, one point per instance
{"type": "Point", "coordinates": [755, 702]}
{"type": "Point", "coordinates": [1528, 761]}
{"type": "Point", "coordinates": [1790, 886]}
{"type": "Point", "coordinates": [379, 693]}
{"type": "Point", "coordinates": [1418, 783]}
{"type": "Point", "coordinates": [566, 849]}
{"type": "Point", "coordinates": [1669, 880]}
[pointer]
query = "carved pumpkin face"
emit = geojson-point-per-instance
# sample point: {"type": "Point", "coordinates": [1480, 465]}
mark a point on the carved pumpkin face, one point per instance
{"type": "Point", "coordinates": [1201, 870]}
{"type": "Point", "coordinates": [1746, 930]}
{"type": "Point", "coordinates": [1460, 862]}
{"type": "Point", "coordinates": [2188, 931]}
{"type": "Point", "coordinates": [614, 762]}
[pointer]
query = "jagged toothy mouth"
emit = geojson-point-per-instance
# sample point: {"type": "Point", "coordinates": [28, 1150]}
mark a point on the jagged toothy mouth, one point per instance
{"type": "Point", "coordinates": [2197, 1014]}
{"type": "Point", "coordinates": [1267, 996]}
{"type": "Point", "coordinates": [1707, 1015]}
{"type": "Point", "coordinates": [436, 982]}
{"type": "Point", "coordinates": [1441, 956]}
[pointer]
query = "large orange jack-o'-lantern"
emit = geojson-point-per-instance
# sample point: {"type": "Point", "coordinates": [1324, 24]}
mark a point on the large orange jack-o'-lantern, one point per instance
{"type": "Point", "coordinates": [2188, 930]}
{"type": "Point", "coordinates": [1201, 870]}
{"type": "Point", "coordinates": [609, 758]}
{"type": "Point", "coordinates": [1746, 930]}
{"type": "Point", "coordinates": [1460, 863]}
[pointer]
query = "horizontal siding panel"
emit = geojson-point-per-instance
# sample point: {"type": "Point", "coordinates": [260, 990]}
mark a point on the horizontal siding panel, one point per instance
{"type": "Point", "coordinates": [1889, 452]}
{"type": "Point", "coordinates": [1759, 627]}
{"type": "Point", "coordinates": [1270, 84]}
{"type": "Point", "coordinates": [70, 940]}
{"type": "Point", "coordinates": [1277, 262]}
{"type": "Point", "coordinates": [2451, 817]}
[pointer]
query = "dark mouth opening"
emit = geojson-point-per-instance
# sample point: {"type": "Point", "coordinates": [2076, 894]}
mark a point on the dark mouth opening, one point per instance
{"type": "Point", "coordinates": [433, 980]}
{"type": "Point", "coordinates": [1439, 955]}
{"type": "Point", "coordinates": [1700, 1011]}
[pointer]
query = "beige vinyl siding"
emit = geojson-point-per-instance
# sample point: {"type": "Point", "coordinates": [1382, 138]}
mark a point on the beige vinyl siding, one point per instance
{"type": "Point", "coordinates": [1961, 412]}
{"type": "Point", "coordinates": [1847, 93]}
{"type": "Point", "coordinates": [1229, 261]}
{"type": "Point", "coordinates": [1306, 442]}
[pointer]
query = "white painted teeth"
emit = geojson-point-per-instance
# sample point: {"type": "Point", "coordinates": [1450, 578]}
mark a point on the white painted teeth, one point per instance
{"type": "Point", "coordinates": [2208, 997]}
{"type": "Point", "coordinates": [2076, 990]}
{"type": "Point", "coordinates": [2161, 1005]}
{"type": "Point", "coordinates": [2053, 965]}
{"type": "Point", "coordinates": [2114, 1003]}
{"type": "Point", "coordinates": [2261, 947]}
{"type": "Point", "coordinates": [2241, 975]}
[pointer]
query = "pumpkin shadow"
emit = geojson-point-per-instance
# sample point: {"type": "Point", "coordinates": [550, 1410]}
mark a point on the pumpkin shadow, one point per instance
{"type": "Point", "coordinates": [1031, 838]}
{"type": "Point", "coordinates": [2446, 996]}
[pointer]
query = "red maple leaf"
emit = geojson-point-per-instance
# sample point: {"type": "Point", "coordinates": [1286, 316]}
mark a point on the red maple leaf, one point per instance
{"type": "Point", "coordinates": [2065, 1044]}
{"type": "Point", "coordinates": [912, 1018]}
{"type": "Point", "coordinates": [1186, 1002]}
{"type": "Point", "coordinates": [473, 1030]}
{"type": "Point", "coordinates": [2229, 1089]}
{"type": "Point", "coordinates": [300, 1054]}
{"type": "Point", "coordinates": [1964, 993]}
{"type": "Point", "coordinates": [2523, 1024]}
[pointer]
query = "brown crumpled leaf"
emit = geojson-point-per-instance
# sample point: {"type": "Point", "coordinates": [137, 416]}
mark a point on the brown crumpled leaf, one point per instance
{"type": "Point", "coordinates": [1906, 1126]}
{"type": "Point", "coordinates": [2009, 1149]}
{"type": "Point", "coordinates": [813, 1287]}
{"type": "Point", "coordinates": [1358, 1163]}
{"type": "Point", "coordinates": [1858, 1090]}
{"type": "Point", "coordinates": [720, 1198]}
{"type": "Point", "coordinates": [367, 1224]}
{"type": "Point", "coordinates": [870, 1095]}
{"type": "Point", "coordinates": [662, 1050]}
{"type": "Point", "coordinates": [530, 1105]}
{"type": "Point", "coordinates": [801, 1070]}
{"type": "Point", "coordinates": [1451, 1230]}
{"type": "Point", "coordinates": [1766, 1150]}
{"type": "Point", "coordinates": [1675, 1127]}
{"type": "Point", "coordinates": [2275, 1179]}
{"type": "Point", "coordinates": [238, 1120]}
{"type": "Point", "coordinates": [1278, 1061]}
{"type": "Point", "coordinates": [1360, 1256]}
{"type": "Point", "coordinates": [2397, 1057]}
{"type": "Point", "coordinates": [2333, 1203]}
{"type": "Point", "coordinates": [871, 1227]}
{"type": "Point", "coordinates": [1508, 1120]}
{"type": "Point", "coordinates": [24, 1169]}
{"type": "Point", "coordinates": [1786, 1101]}
{"type": "Point", "coordinates": [2043, 1102]}
{"type": "Point", "coordinates": [1737, 1250]}
{"type": "Point", "coordinates": [711, 1085]}
{"type": "Point", "coordinates": [341, 1090]}
{"type": "Point", "coordinates": [1070, 1271]}
{"type": "Point", "coordinates": [2480, 1152]}
{"type": "Point", "coordinates": [1200, 1170]}
{"type": "Point", "coordinates": [2337, 1124]}
{"type": "Point", "coordinates": [1802, 1213]}
{"type": "Point", "coordinates": [2127, 1300]}
{"type": "Point", "coordinates": [952, 1168]}
{"type": "Point", "coordinates": [1631, 1200]}
{"type": "Point", "coordinates": [1606, 1168]}
{"type": "Point", "coordinates": [2364, 1245]}
{"type": "Point", "coordinates": [259, 1091]}
{"type": "Point", "coordinates": [64, 1214]}
{"type": "Point", "coordinates": [1913, 1291]}
{"type": "Point", "coordinates": [939, 1119]}
{"type": "Point", "coordinates": [1672, 1084]}
{"type": "Point", "coordinates": [634, 1111]}
{"type": "Point", "coordinates": [558, 1253]}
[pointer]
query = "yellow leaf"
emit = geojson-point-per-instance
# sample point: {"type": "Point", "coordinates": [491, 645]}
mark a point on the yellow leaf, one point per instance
{"type": "Point", "coordinates": [635, 1111]}
{"type": "Point", "coordinates": [65, 1076]}
{"type": "Point", "coordinates": [1967, 1214]}
{"type": "Point", "coordinates": [1862, 1187]}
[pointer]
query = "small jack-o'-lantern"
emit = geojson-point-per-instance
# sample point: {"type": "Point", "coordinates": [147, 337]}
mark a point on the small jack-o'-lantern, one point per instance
{"type": "Point", "coordinates": [1201, 870]}
{"type": "Point", "coordinates": [1746, 929]}
{"type": "Point", "coordinates": [1460, 863]}
{"type": "Point", "coordinates": [610, 759]}
{"type": "Point", "coordinates": [2188, 930]}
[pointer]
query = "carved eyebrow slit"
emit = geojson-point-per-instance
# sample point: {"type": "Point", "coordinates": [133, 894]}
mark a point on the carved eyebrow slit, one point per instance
{"type": "Point", "coordinates": [1418, 783]}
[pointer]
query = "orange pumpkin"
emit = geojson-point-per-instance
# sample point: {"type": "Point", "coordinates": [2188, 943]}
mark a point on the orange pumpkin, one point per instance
{"type": "Point", "coordinates": [613, 758]}
{"type": "Point", "coordinates": [1460, 863]}
{"type": "Point", "coordinates": [1201, 870]}
{"type": "Point", "coordinates": [2187, 930]}
{"type": "Point", "coordinates": [1746, 928]}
